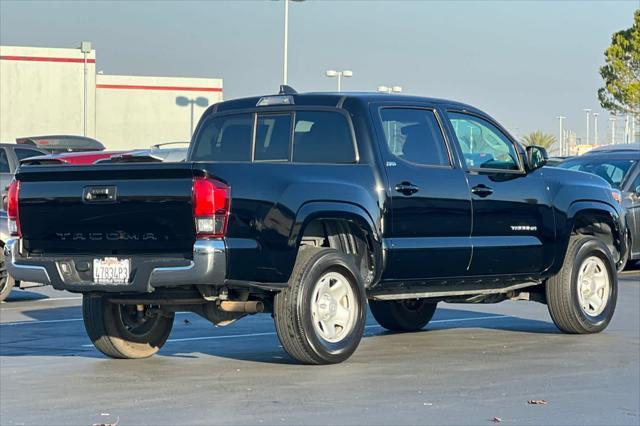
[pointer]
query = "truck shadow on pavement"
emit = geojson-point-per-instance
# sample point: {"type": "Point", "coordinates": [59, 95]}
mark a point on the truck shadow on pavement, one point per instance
{"type": "Point", "coordinates": [60, 332]}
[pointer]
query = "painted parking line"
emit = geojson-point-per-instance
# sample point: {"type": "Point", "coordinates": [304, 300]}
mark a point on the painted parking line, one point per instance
{"type": "Point", "coordinates": [7, 324]}
{"type": "Point", "coordinates": [272, 333]}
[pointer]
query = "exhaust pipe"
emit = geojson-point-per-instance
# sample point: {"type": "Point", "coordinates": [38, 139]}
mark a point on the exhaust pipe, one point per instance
{"type": "Point", "coordinates": [249, 307]}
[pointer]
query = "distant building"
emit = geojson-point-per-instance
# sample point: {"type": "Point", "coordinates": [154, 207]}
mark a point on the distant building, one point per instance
{"type": "Point", "coordinates": [42, 92]}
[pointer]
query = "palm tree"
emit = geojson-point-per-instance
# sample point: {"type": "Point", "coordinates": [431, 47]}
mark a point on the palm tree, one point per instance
{"type": "Point", "coordinates": [539, 138]}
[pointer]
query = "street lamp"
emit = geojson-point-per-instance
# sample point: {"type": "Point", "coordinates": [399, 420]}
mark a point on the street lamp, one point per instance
{"type": "Point", "coordinates": [588, 111]}
{"type": "Point", "coordinates": [85, 48]}
{"type": "Point", "coordinates": [612, 120]}
{"type": "Point", "coordinates": [390, 89]}
{"type": "Point", "coordinates": [339, 74]}
{"type": "Point", "coordinates": [595, 128]}
{"type": "Point", "coordinates": [286, 40]}
{"type": "Point", "coordinates": [561, 135]}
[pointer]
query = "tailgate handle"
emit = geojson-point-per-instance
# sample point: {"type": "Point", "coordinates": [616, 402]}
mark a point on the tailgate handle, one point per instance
{"type": "Point", "coordinates": [99, 194]}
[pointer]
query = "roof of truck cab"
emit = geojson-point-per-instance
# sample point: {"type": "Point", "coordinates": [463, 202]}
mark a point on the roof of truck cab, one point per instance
{"type": "Point", "coordinates": [331, 99]}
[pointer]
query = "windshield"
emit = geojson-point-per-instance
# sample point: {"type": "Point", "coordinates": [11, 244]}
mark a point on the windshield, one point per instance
{"type": "Point", "coordinates": [613, 171]}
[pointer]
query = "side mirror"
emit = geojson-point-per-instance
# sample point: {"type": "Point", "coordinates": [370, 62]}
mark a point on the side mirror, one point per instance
{"type": "Point", "coordinates": [536, 157]}
{"type": "Point", "coordinates": [636, 191]}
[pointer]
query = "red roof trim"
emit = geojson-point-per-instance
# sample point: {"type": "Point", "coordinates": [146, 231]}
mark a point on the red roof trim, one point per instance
{"type": "Point", "coordinates": [44, 59]}
{"type": "Point", "coordinates": [142, 87]}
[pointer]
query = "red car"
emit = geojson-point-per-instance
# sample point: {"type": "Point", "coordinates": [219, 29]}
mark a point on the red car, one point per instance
{"type": "Point", "coordinates": [75, 158]}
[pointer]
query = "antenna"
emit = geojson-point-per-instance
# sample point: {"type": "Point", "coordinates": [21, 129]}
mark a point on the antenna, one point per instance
{"type": "Point", "coordinates": [286, 90]}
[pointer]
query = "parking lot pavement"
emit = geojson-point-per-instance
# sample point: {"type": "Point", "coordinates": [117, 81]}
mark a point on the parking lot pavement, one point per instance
{"type": "Point", "coordinates": [473, 363]}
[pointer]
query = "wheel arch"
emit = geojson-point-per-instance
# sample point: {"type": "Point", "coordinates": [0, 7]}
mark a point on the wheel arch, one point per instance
{"type": "Point", "coordinates": [600, 220]}
{"type": "Point", "coordinates": [338, 219]}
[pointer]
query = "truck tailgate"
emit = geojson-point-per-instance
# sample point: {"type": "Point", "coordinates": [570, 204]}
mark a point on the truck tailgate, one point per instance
{"type": "Point", "coordinates": [110, 209]}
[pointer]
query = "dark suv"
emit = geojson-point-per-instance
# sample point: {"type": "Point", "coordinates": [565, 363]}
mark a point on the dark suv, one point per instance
{"type": "Point", "coordinates": [307, 206]}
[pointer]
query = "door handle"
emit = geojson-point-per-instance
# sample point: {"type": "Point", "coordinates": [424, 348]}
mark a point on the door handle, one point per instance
{"type": "Point", "coordinates": [482, 190]}
{"type": "Point", "coordinates": [406, 188]}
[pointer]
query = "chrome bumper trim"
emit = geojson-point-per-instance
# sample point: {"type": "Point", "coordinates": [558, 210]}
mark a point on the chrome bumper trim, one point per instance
{"type": "Point", "coordinates": [27, 273]}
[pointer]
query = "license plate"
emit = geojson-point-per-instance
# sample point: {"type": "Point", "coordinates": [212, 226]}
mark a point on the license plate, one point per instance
{"type": "Point", "coordinates": [111, 270]}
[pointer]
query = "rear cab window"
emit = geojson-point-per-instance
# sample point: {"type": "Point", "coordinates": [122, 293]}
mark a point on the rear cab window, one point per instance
{"type": "Point", "coordinates": [298, 136]}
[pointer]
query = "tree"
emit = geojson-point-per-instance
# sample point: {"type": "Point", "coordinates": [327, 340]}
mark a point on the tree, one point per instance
{"type": "Point", "coordinates": [539, 138]}
{"type": "Point", "coordinates": [621, 74]}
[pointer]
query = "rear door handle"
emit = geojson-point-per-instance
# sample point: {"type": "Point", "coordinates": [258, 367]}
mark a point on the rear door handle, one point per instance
{"type": "Point", "coordinates": [482, 190]}
{"type": "Point", "coordinates": [406, 188]}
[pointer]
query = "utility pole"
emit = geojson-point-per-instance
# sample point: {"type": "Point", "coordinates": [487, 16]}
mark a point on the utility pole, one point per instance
{"type": "Point", "coordinates": [588, 111]}
{"type": "Point", "coordinates": [561, 136]}
{"type": "Point", "coordinates": [595, 128]}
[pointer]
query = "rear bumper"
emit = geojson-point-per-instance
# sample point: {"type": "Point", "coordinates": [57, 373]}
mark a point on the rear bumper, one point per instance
{"type": "Point", "coordinates": [208, 266]}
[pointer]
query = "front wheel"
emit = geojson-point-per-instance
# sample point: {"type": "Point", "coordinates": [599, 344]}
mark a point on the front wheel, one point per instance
{"type": "Point", "coordinates": [320, 316]}
{"type": "Point", "coordinates": [125, 331]}
{"type": "Point", "coordinates": [403, 315]}
{"type": "Point", "coordinates": [582, 297]}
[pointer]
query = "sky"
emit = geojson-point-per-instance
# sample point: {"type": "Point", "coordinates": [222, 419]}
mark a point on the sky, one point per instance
{"type": "Point", "coordinates": [523, 62]}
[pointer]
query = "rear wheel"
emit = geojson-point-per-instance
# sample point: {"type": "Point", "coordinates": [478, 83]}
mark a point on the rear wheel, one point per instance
{"type": "Point", "coordinates": [320, 316]}
{"type": "Point", "coordinates": [403, 315]}
{"type": "Point", "coordinates": [6, 281]}
{"type": "Point", "coordinates": [582, 297]}
{"type": "Point", "coordinates": [125, 331]}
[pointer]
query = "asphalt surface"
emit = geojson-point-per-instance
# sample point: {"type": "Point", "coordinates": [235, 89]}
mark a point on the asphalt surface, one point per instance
{"type": "Point", "coordinates": [472, 364]}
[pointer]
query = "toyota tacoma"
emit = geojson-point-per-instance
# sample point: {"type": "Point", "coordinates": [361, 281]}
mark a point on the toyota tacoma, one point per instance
{"type": "Point", "coordinates": [311, 206]}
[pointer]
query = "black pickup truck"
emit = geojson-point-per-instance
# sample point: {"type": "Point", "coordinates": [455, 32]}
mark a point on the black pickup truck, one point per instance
{"type": "Point", "coordinates": [308, 206]}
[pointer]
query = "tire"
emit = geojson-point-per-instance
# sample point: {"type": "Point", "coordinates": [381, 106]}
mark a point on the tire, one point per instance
{"type": "Point", "coordinates": [573, 294]}
{"type": "Point", "coordinates": [625, 259]}
{"type": "Point", "coordinates": [320, 316]}
{"type": "Point", "coordinates": [6, 281]}
{"type": "Point", "coordinates": [403, 315]}
{"type": "Point", "coordinates": [119, 332]}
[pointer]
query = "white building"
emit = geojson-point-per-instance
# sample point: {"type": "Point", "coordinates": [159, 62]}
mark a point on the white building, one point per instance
{"type": "Point", "coordinates": [42, 92]}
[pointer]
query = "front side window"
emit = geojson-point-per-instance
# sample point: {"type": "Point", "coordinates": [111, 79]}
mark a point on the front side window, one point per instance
{"type": "Point", "coordinates": [225, 138]}
{"type": "Point", "coordinates": [414, 135]}
{"type": "Point", "coordinates": [483, 145]}
{"type": "Point", "coordinates": [322, 137]}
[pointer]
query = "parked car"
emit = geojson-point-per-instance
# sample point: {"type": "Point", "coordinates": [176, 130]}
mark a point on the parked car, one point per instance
{"type": "Point", "coordinates": [620, 167]}
{"type": "Point", "coordinates": [62, 143]}
{"type": "Point", "coordinates": [73, 158]}
{"type": "Point", "coordinates": [10, 156]}
{"type": "Point", "coordinates": [308, 205]}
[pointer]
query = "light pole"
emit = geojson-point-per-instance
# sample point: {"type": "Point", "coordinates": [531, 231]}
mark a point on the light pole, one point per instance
{"type": "Point", "coordinates": [612, 120]}
{"type": "Point", "coordinates": [595, 128]}
{"type": "Point", "coordinates": [85, 48]}
{"type": "Point", "coordinates": [561, 135]}
{"type": "Point", "coordinates": [286, 41]}
{"type": "Point", "coordinates": [588, 111]}
{"type": "Point", "coordinates": [339, 74]}
{"type": "Point", "coordinates": [390, 89]}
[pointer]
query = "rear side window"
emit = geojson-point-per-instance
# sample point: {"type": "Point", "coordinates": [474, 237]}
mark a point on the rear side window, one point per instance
{"type": "Point", "coordinates": [225, 138]}
{"type": "Point", "coordinates": [4, 162]}
{"type": "Point", "coordinates": [414, 135]}
{"type": "Point", "coordinates": [322, 137]}
{"type": "Point", "coordinates": [273, 137]}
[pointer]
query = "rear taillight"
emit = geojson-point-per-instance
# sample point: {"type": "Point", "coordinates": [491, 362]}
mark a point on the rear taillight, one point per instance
{"type": "Point", "coordinates": [210, 207]}
{"type": "Point", "coordinates": [13, 216]}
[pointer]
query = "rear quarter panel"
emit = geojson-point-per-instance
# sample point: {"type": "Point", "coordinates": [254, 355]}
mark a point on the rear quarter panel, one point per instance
{"type": "Point", "coordinates": [267, 202]}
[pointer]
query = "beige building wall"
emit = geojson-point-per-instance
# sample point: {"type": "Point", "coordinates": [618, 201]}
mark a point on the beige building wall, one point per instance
{"type": "Point", "coordinates": [42, 92]}
{"type": "Point", "coordinates": [137, 112]}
